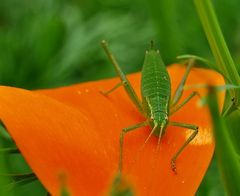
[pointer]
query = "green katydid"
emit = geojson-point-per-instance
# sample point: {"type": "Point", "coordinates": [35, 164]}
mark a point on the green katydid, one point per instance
{"type": "Point", "coordinates": [156, 104]}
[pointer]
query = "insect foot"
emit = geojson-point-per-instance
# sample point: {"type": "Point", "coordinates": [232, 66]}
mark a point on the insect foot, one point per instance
{"type": "Point", "coordinates": [173, 166]}
{"type": "Point", "coordinates": [103, 92]}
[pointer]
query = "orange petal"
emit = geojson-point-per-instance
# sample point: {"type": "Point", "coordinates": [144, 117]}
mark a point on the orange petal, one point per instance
{"type": "Point", "coordinates": [81, 137]}
{"type": "Point", "coordinates": [55, 138]}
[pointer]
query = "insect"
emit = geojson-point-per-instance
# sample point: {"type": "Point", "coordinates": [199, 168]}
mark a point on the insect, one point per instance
{"type": "Point", "coordinates": [156, 104]}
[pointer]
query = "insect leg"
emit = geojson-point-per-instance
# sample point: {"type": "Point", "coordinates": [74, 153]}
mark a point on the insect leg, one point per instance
{"type": "Point", "coordinates": [191, 137]}
{"type": "Point", "coordinates": [177, 107]}
{"type": "Point", "coordinates": [112, 89]}
{"type": "Point", "coordinates": [124, 81]}
{"type": "Point", "coordinates": [124, 131]}
{"type": "Point", "coordinates": [179, 91]}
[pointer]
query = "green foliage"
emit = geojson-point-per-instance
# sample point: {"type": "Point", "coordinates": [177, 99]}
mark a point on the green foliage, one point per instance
{"type": "Point", "coordinates": [19, 179]}
{"type": "Point", "coordinates": [211, 184]}
{"type": "Point", "coordinates": [16, 177]}
{"type": "Point", "coordinates": [225, 129]}
{"type": "Point", "coordinates": [15, 181]}
{"type": "Point", "coordinates": [53, 43]}
{"type": "Point", "coordinates": [5, 180]}
{"type": "Point", "coordinates": [223, 58]}
{"type": "Point", "coordinates": [227, 156]}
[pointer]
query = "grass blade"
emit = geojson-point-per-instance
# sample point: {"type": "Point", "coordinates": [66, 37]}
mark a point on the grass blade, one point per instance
{"type": "Point", "coordinates": [227, 157]}
{"type": "Point", "coordinates": [220, 51]}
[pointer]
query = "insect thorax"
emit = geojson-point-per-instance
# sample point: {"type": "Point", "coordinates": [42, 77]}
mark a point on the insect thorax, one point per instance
{"type": "Point", "coordinates": [156, 111]}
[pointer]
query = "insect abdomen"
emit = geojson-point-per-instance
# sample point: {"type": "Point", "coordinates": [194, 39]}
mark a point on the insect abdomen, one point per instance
{"type": "Point", "coordinates": [155, 84]}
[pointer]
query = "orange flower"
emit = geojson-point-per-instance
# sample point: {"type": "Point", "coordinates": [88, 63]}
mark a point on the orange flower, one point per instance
{"type": "Point", "coordinates": [75, 130]}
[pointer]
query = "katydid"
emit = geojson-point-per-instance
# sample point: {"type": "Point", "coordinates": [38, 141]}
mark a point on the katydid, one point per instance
{"type": "Point", "coordinates": [156, 104]}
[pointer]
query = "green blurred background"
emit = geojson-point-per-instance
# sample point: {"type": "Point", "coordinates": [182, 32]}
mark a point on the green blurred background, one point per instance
{"type": "Point", "coordinates": [50, 43]}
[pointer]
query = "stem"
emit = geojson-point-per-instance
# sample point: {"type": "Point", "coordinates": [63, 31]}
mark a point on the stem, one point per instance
{"type": "Point", "coordinates": [228, 159]}
{"type": "Point", "coordinates": [220, 50]}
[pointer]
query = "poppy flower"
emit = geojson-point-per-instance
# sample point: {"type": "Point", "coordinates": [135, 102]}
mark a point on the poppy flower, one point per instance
{"type": "Point", "coordinates": [75, 131]}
